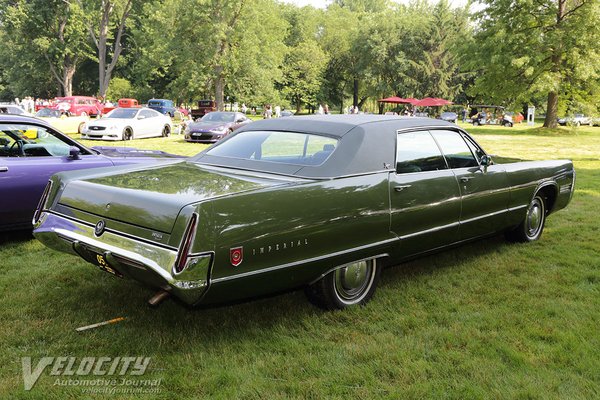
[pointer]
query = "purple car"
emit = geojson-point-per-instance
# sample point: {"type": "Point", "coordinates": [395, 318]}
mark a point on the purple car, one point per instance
{"type": "Point", "coordinates": [215, 125]}
{"type": "Point", "coordinates": [31, 151]}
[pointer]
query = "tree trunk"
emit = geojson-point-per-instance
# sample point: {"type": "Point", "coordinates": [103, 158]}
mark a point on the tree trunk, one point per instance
{"type": "Point", "coordinates": [69, 72]}
{"type": "Point", "coordinates": [551, 111]}
{"type": "Point", "coordinates": [355, 93]}
{"type": "Point", "coordinates": [219, 88]}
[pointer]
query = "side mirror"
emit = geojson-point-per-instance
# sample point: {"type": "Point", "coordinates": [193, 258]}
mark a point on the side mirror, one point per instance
{"type": "Point", "coordinates": [74, 153]}
{"type": "Point", "coordinates": [486, 161]}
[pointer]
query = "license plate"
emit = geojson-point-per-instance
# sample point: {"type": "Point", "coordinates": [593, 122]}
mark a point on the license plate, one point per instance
{"type": "Point", "coordinates": [101, 263]}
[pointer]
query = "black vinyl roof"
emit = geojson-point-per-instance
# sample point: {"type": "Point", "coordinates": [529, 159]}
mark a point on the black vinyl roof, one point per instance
{"type": "Point", "coordinates": [366, 144]}
{"type": "Point", "coordinates": [339, 125]}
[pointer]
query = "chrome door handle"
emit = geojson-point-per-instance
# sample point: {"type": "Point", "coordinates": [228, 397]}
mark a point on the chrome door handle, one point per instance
{"type": "Point", "coordinates": [465, 178]}
{"type": "Point", "coordinates": [3, 169]}
{"type": "Point", "coordinates": [401, 188]}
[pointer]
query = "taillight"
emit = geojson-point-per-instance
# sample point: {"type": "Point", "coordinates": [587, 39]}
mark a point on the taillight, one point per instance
{"type": "Point", "coordinates": [186, 244]}
{"type": "Point", "coordinates": [42, 203]}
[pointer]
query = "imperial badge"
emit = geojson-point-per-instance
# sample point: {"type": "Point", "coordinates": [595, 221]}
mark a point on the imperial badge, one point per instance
{"type": "Point", "coordinates": [236, 256]}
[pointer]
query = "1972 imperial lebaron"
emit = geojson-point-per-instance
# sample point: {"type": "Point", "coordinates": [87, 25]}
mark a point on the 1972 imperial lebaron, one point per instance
{"type": "Point", "coordinates": [319, 202]}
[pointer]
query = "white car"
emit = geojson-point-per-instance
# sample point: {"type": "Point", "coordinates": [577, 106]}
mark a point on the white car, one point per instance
{"type": "Point", "coordinates": [13, 109]}
{"type": "Point", "coordinates": [127, 124]}
{"type": "Point", "coordinates": [577, 120]}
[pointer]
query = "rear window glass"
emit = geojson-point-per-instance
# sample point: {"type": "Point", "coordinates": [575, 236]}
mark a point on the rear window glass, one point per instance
{"type": "Point", "coordinates": [280, 147]}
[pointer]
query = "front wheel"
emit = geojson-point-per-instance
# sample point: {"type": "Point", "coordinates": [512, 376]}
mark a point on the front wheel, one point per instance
{"type": "Point", "coordinates": [348, 285]}
{"type": "Point", "coordinates": [127, 134]}
{"type": "Point", "coordinates": [166, 131]}
{"type": "Point", "coordinates": [83, 114]}
{"type": "Point", "coordinates": [530, 229]}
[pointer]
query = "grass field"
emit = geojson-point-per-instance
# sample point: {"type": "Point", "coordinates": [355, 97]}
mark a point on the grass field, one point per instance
{"type": "Point", "coordinates": [485, 321]}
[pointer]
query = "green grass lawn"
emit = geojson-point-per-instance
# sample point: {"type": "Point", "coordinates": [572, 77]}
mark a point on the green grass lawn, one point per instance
{"type": "Point", "coordinates": [488, 320]}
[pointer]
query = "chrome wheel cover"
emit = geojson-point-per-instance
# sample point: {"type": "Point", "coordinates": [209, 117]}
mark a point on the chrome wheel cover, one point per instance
{"type": "Point", "coordinates": [353, 281]}
{"type": "Point", "coordinates": [535, 217]}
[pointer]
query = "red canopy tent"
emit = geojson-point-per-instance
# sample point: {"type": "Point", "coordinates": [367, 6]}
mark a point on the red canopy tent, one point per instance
{"type": "Point", "coordinates": [396, 100]}
{"type": "Point", "coordinates": [431, 102]}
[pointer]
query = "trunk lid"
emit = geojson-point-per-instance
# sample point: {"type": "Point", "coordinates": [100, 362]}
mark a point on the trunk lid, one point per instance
{"type": "Point", "coordinates": [153, 197]}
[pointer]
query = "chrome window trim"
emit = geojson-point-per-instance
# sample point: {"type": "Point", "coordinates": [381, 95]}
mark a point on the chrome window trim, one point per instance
{"type": "Point", "coordinates": [304, 261]}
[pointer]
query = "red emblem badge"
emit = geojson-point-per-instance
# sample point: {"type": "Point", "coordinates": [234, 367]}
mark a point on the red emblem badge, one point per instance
{"type": "Point", "coordinates": [236, 256]}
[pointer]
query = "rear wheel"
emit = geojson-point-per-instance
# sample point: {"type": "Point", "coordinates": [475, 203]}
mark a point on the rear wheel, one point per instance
{"type": "Point", "coordinates": [83, 114]}
{"type": "Point", "coordinates": [348, 285]}
{"type": "Point", "coordinates": [530, 229]}
{"type": "Point", "coordinates": [166, 131]}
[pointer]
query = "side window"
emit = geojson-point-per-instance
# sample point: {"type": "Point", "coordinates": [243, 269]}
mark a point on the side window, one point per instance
{"type": "Point", "coordinates": [475, 149]}
{"type": "Point", "coordinates": [456, 151]}
{"type": "Point", "coordinates": [30, 141]}
{"type": "Point", "coordinates": [147, 113]}
{"type": "Point", "coordinates": [417, 152]}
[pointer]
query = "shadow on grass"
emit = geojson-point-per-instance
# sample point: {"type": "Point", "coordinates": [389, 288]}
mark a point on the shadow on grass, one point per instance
{"type": "Point", "coordinates": [15, 236]}
{"type": "Point", "coordinates": [103, 298]}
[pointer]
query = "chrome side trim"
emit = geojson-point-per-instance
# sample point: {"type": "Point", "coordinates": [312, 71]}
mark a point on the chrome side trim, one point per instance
{"type": "Point", "coordinates": [430, 230]}
{"type": "Point", "coordinates": [466, 221]}
{"type": "Point", "coordinates": [305, 261]}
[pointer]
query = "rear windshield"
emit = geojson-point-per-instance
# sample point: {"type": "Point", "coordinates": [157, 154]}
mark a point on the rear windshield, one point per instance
{"type": "Point", "coordinates": [278, 147]}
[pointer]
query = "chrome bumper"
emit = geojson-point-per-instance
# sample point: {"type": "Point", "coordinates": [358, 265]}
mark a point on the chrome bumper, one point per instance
{"type": "Point", "coordinates": [133, 258]}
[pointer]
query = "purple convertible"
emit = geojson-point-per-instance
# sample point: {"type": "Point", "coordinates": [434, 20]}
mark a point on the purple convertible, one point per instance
{"type": "Point", "coordinates": [31, 151]}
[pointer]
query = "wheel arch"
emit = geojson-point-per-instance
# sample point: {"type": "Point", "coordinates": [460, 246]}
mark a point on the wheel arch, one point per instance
{"type": "Point", "coordinates": [549, 192]}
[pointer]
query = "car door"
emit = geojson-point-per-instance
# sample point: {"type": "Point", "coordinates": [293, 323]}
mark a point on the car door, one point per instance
{"type": "Point", "coordinates": [149, 125]}
{"type": "Point", "coordinates": [424, 195]}
{"type": "Point", "coordinates": [29, 155]}
{"type": "Point", "coordinates": [485, 190]}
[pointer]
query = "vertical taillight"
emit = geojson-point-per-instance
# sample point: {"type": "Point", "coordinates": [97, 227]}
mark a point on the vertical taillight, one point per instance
{"type": "Point", "coordinates": [42, 203]}
{"type": "Point", "coordinates": [186, 244]}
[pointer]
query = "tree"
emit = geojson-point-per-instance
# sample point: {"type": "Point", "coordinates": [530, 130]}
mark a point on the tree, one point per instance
{"type": "Point", "coordinates": [106, 21]}
{"type": "Point", "coordinates": [524, 47]}
{"type": "Point", "coordinates": [43, 32]}
{"type": "Point", "coordinates": [302, 73]}
{"type": "Point", "coordinates": [217, 48]}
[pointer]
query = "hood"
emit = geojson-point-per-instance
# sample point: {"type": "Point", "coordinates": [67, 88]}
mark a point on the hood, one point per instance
{"type": "Point", "coordinates": [152, 197]}
{"type": "Point", "coordinates": [208, 125]}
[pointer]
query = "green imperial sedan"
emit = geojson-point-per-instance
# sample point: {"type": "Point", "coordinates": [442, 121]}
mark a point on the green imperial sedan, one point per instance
{"type": "Point", "coordinates": [320, 202]}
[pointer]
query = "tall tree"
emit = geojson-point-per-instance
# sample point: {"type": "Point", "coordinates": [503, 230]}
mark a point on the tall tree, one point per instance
{"type": "Point", "coordinates": [525, 46]}
{"type": "Point", "coordinates": [106, 22]}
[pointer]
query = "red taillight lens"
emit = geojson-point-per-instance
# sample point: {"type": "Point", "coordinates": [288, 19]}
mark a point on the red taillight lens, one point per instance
{"type": "Point", "coordinates": [186, 244]}
{"type": "Point", "coordinates": [42, 203]}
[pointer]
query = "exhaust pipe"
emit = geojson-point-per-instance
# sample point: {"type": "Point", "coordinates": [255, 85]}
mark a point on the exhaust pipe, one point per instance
{"type": "Point", "coordinates": [158, 298]}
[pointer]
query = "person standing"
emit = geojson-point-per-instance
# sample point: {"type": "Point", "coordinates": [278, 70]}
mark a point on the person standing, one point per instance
{"type": "Point", "coordinates": [277, 111]}
{"type": "Point", "coordinates": [464, 114]}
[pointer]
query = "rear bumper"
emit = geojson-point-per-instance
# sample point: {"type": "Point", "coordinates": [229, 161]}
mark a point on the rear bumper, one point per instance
{"type": "Point", "coordinates": [132, 257]}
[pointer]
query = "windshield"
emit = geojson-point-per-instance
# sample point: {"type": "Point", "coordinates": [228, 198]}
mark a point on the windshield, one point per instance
{"type": "Point", "coordinates": [219, 117]}
{"type": "Point", "coordinates": [279, 147]}
{"type": "Point", "coordinates": [122, 113]}
{"type": "Point", "coordinates": [46, 112]}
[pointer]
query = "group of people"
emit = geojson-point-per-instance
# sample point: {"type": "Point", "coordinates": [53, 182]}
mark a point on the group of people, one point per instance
{"type": "Point", "coordinates": [27, 103]}
{"type": "Point", "coordinates": [271, 112]}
